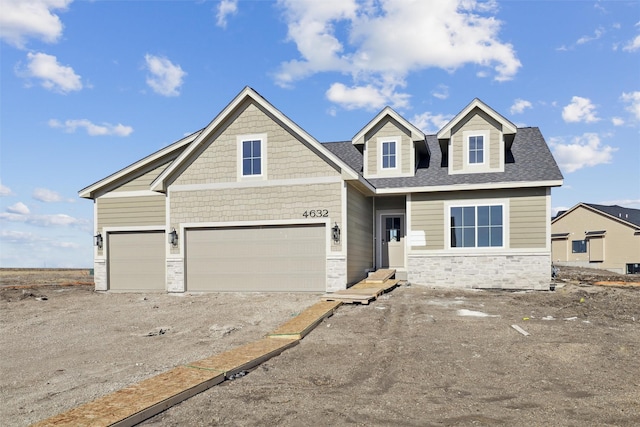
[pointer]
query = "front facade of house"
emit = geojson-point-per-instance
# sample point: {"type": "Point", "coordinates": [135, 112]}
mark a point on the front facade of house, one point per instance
{"type": "Point", "coordinates": [597, 236]}
{"type": "Point", "coordinates": [253, 202]}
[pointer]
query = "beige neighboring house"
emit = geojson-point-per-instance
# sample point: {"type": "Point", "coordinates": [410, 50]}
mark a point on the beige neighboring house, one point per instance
{"type": "Point", "coordinates": [253, 202]}
{"type": "Point", "coordinates": [597, 236]}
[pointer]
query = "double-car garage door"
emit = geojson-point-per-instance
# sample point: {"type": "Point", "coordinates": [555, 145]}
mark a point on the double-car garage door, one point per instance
{"type": "Point", "coordinates": [266, 258]}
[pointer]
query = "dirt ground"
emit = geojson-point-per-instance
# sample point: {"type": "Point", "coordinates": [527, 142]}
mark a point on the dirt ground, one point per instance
{"type": "Point", "coordinates": [415, 357]}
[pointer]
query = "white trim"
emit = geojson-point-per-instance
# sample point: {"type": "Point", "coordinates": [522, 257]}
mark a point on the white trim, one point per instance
{"type": "Point", "coordinates": [463, 187]}
{"type": "Point", "coordinates": [251, 183]}
{"type": "Point", "coordinates": [397, 155]}
{"type": "Point", "coordinates": [486, 152]}
{"type": "Point", "coordinates": [506, 232]}
{"type": "Point", "coordinates": [139, 193]}
{"type": "Point", "coordinates": [159, 183]}
{"type": "Point", "coordinates": [507, 126]}
{"type": "Point", "coordinates": [86, 192]}
{"type": "Point", "coordinates": [344, 232]}
{"type": "Point", "coordinates": [415, 133]}
{"type": "Point", "coordinates": [548, 219]}
{"type": "Point", "coordinates": [240, 139]}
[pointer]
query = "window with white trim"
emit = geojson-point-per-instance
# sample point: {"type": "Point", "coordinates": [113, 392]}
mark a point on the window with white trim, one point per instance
{"type": "Point", "coordinates": [477, 226]}
{"type": "Point", "coordinates": [476, 149]}
{"type": "Point", "coordinates": [388, 154]}
{"type": "Point", "coordinates": [252, 157]}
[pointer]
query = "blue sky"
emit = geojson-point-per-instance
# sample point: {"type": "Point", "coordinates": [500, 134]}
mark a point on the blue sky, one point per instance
{"type": "Point", "coordinates": [89, 87]}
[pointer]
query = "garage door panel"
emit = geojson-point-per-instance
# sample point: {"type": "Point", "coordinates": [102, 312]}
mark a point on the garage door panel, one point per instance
{"type": "Point", "coordinates": [283, 258]}
{"type": "Point", "coordinates": [136, 261]}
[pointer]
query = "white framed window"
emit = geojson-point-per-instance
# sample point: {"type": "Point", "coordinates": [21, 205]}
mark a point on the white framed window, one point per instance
{"type": "Point", "coordinates": [476, 149]}
{"type": "Point", "coordinates": [389, 157]}
{"type": "Point", "coordinates": [477, 226]}
{"type": "Point", "coordinates": [252, 156]}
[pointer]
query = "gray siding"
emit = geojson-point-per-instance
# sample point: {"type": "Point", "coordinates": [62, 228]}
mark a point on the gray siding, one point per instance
{"type": "Point", "coordinates": [389, 128]}
{"type": "Point", "coordinates": [477, 120]}
{"type": "Point", "coordinates": [143, 182]}
{"type": "Point", "coordinates": [360, 234]}
{"type": "Point", "coordinates": [428, 216]}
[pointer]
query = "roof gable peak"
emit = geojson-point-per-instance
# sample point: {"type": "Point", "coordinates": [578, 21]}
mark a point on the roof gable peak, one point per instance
{"type": "Point", "coordinates": [507, 126]}
{"type": "Point", "coordinates": [416, 134]}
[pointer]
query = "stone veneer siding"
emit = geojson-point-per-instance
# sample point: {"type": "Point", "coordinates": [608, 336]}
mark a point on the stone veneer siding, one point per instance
{"type": "Point", "coordinates": [517, 271]}
{"type": "Point", "coordinates": [175, 275]}
{"type": "Point", "coordinates": [336, 274]}
{"type": "Point", "coordinates": [100, 274]}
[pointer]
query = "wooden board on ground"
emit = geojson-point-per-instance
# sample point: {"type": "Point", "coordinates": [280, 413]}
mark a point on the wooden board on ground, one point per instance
{"type": "Point", "coordinates": [620, 284]}
{"type": "Point", "coordinates": [246, 356]}
{"type": "Point", "coordinates": [131, 405]}
{"type": "Point", "coordinates": [380, 276]}
{"type": "Point", "coordinates": [386, 285]}
{"type": "Point", "coordinates": [350, 296]}
{"type": "Point", "coordinates": [305, 322]}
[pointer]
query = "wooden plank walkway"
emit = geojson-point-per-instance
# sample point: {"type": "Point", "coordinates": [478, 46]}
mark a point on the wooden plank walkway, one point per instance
{"type": "Point", "coordinates": [134, 404]}
{"type": "Point", "coordinates": [380, 276]}
{"type": "Point", "coordinates": [305, 322]}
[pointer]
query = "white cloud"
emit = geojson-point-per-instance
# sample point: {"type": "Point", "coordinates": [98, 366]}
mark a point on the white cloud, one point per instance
{"type": "Point", "coordinates": [46, 195]}
{"type": "Point", "coordinates": [519, 105]}
{"type": "Point", "coordinates": [633, 101]}
{"type": "Point", "coordinates": [580, 110]}
{"type": "Point", "coordinates": [441, 92]}
{"type": "Point", "coordinates": [166, 77]}
{"type": "Point", "coordinates": [617, 121]}
{"type": "Point", "coordinates": [385, 41]}
{"type": "Point", "coordinates": [19, 208]}
{"type": "Point", "coordinates": [62, 220]}
{"type": "Point", "coordinates": [225, 8]}
{"type": "Point", "coordinates": [5, 191]}
{"type": "Point", "coordinates": [430, 123]}
{"type": "Point", "coordinates": [91, 128]}
{"type": "Point", "coordinates": [599, 32]}
{"type": "Point", "coordinates": [633, 45]}
{"type": "Point", "coordinates": [583, 151]}
{"type": "Point", "coordinates": [12, 236]}
{"type": "Point", "coordinates": [54, 76]}
{"type": "Point", "coordinates": [23, 19]}
{"type": "Point", "coordinates": [366, 97]}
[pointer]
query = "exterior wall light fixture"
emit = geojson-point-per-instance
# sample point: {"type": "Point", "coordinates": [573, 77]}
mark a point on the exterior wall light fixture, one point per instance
{"type": "Point", "coordinates": [173, 237]}
{"type": "Point", "coordinates": [335, 233]}
{"type": "Point", "coordinates": [97, 240]}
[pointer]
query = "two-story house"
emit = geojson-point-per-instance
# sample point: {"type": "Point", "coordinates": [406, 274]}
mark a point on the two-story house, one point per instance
{"type": "Point", "coordinates": [252, 202]}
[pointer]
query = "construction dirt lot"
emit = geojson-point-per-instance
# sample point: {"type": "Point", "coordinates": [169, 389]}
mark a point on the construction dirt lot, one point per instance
{"type": "Point", "coordinates": [415, 357]}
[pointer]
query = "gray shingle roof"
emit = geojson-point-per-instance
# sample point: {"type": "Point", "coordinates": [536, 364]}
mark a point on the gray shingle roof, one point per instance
{"type": "Point", "coordinates": [625, 214]}
{"type": "Point", "coordinates": [528, 160]}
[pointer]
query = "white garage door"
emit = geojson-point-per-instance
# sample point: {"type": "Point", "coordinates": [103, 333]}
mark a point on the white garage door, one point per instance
{"type": "Point", "coordinates": [268, 258]}
{"type": "Point", "coordinates": [136, 261]}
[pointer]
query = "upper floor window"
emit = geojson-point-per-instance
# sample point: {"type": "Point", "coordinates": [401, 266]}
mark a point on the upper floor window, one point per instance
{"type": "Point", "coordinates": [252, 157]}
{"type": "Point", "coordinates": [476, 149]}
{"type": "Point", "coordinates": [477, 226]}
{"type": "Point", "coordinates": [388, 154]}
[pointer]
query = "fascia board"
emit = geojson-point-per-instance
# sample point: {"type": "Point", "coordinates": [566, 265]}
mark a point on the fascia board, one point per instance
{"type": "Point", "coordinates": [416, 134]}
{"type": "Point", "coordinates": [507, 126]}
{"type": "Point", "coordinates": [159, 183]}
{"type": "Point", "coordinates": [87, 192]}
{"type": "Point", "coordinates": [469, 187]}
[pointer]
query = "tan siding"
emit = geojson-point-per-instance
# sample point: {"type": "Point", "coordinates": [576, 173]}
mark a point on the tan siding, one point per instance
{"type": "Point", "coordinates": [256, 204]}
{"type": "Point", "coordinates": [428, 216]}
{"type": "Point", "coordinates": [287, 157]}
{"type": "Point", "coordinates": [144, 181]}
{"type": "Point", "coordinates": [477, 121]}
{"type": "Point", "coordinates": [528, 222]}
{"type": "Point", "coordinates": [360, 234]}
{"type": "Point", "coordinates": [621, 246]}
{"type": "Point", "coordinates": [131, 211]}
{"type": "Point", "coordinates": [389, 128]}
{"type": "Point", "coordinates": [559, 250]}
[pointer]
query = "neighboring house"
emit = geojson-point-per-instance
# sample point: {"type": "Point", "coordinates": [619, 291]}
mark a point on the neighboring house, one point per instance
{"type": "Point", "coordinates": [253, 202]}
{"type": "Point", "coordinates": [597, 236]}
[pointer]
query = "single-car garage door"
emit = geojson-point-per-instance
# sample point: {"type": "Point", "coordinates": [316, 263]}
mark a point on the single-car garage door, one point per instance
{"type": "Point", "coordinates": [267, 258]}
{"type": "Point", "coordinates": [136, 261]}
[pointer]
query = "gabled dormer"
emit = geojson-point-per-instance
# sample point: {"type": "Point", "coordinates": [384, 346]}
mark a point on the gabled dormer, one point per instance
{"type": "Point", "coordinates": [388, 147]}
{"type": "Point", "coordinates": [476, 140]}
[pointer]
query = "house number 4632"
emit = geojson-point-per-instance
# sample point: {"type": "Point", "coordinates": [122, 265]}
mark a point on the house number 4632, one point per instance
{"type": "Point", "coordinates": [316, 213]}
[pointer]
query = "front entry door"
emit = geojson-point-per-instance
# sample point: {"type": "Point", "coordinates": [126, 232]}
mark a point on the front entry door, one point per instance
{"type": "Point", "coordinates": [392, 249]}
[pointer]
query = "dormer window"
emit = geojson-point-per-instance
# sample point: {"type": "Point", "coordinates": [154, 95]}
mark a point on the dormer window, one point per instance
{"type": "Point", "coordinates": [388, 155]}
{"type": "Point", "coordinates": [476, 149]}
